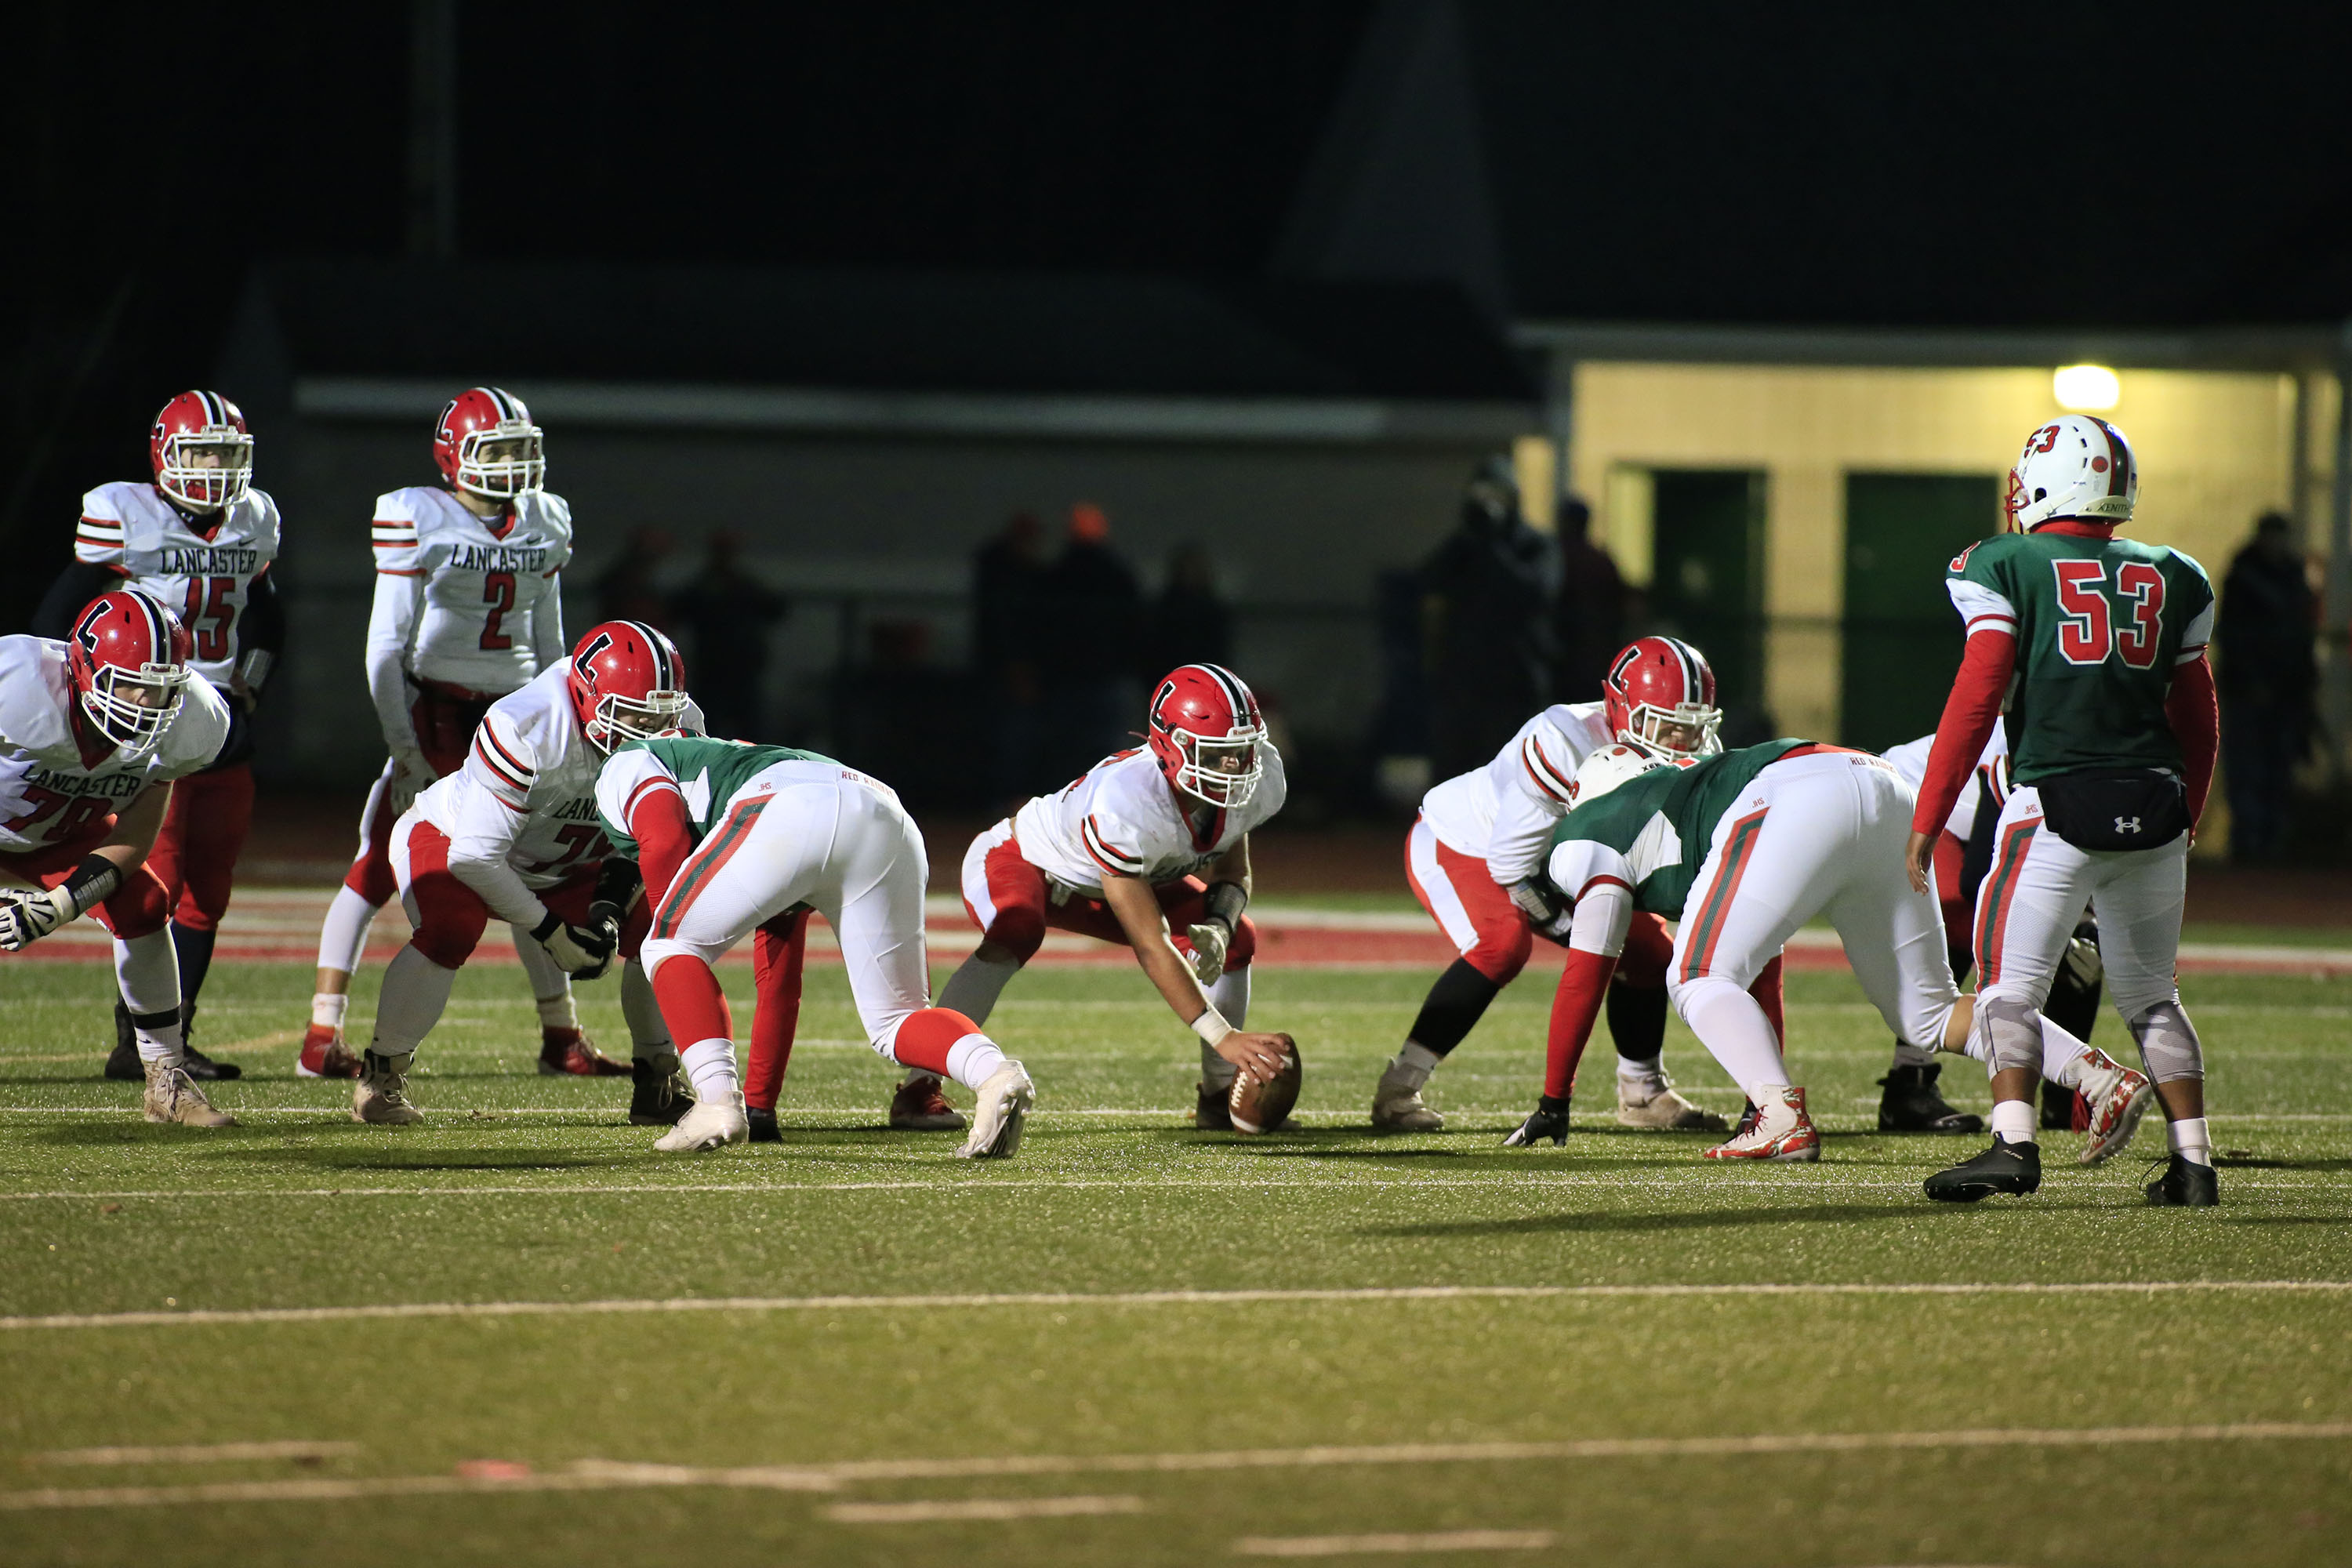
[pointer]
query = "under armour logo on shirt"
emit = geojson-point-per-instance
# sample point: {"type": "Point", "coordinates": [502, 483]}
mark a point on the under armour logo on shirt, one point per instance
{"type": "Point", "coordinates": [2127, 824]}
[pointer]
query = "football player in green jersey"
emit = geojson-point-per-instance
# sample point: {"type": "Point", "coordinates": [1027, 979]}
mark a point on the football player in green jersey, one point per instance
{"type": "Point", "coordinates": [2098, 645]}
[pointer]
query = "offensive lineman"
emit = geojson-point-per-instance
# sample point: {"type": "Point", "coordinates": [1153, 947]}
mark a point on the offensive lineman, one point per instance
{"type": "Point", "coordinates": [513, 834]}
{"type": "Point", "coordinates": [199, 538]}
{"type": "Point", "coordinates": [734, 838]}
{"type": "Point", "coordinates": [1122, 850]}
{"type": "Point", "coordinates": [93, 731]}
{"type": "Point", "coordinates": [2098, 645]}
{"type": "Point", "coordinates": [469, 607]}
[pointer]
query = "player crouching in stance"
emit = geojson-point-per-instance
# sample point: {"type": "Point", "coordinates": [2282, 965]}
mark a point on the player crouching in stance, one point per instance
{"type": "Point", "coordinates": [733, 838]}
{"type": "Point", "coordinates": [93, 730]}
{"type": "Point", "coordinates": [1116, 855]}
{"type": "Point", "coordinates": [1475, 858]}
{"type": "Point", "coordinates": [2098, 644]}
{"type": "Point", "coordinates": [513, 834]}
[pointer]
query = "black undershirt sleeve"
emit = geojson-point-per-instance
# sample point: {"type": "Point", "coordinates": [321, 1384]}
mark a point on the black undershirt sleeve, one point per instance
{"type": "Point", "coordinates": [75, 586]}
{"type": "Point", "coordinates": [263, 625]}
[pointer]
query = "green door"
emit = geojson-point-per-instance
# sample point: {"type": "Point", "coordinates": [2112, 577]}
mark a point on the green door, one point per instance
{"type": "Point", "coordinates": [1902, 638]}
{"type": "Point", "coordinates": [1707, 582]}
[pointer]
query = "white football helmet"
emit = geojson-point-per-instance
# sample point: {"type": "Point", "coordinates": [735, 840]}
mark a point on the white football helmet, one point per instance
{"type": "Point", "coordinates": [1610, 766]}
{"type": "Point", "coordinates": [2075, 466]}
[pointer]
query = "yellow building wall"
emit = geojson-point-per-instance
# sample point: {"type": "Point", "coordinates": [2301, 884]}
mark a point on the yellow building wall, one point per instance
{"type": "Point", "coordinates": [2215, 451]}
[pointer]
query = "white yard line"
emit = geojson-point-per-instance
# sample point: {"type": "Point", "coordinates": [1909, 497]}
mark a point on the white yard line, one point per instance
{"type": "Point", "coordinates": [1427, 1541]}
{"type": "Point", "coordinates": [945, 1510]}
{"type": "Point", "coordinates": [366, 1313]}
{"type": "Point", "coordinates": [199, 1453]}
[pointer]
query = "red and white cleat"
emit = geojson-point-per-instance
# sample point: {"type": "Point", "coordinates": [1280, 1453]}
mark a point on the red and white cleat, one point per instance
{"type": "Point", "coordinates": [571, 1051]}
{"type": "Point", "coordinates": [324, 1055]}
{"type": "Point", "coordinates": [1782, 1131]}
{"type": "Point", "coordinates": [919, 1106]}
{"type": "Point", "coordinates": [2119, 1097]}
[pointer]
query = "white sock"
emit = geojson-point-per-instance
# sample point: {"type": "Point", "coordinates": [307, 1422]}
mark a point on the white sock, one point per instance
{"type": "Point", "coordinates": [2013, 1120]}
{"type": "Point", "coordinates": [1411, 1066]}
{"type": "Point", "coordinates": [162, 1043]}
{"type": "Point", "coordinates": [343, 936]}
{"type": "Point", "coordinates": [558, 1011]}
{"type": "Point", "coordinates": [973, 1060]}
{"type": "Point", "coordinates": [2191, 1141]}
{"type": "Point", "coordinates": [2064, 1058]}
{"type": "Point", "coordinates": [973, 988]}
{"type": "Point", "coordinates": [415, 991]}
{"type": "Point", "coordinates": [327, 1009]}
{"type": "Point", "coordinates": [1215, 1071]}
{"type": "Point", "coordinates": [710, 1067]}
{"type": "Point", "coordinates": [649, 1038]}
{"type": "Point", "coordinates": [1230, 996]}
{"type": "Point", "coordinates": [1735, 1032]}
{"type": "Point", "coordinates": [147, 972]}
{"type": "Point", "coordinates": [1645, 1073]}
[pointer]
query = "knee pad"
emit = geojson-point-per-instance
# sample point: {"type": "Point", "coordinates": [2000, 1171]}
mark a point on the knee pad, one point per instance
{"type": "Point", "coordinates": [657, 950]}
{"type": "Point", "coordinates": [1020, 930]}
{"type": "Point", "coordinates": [2012, 1028]}
{"type": "Point", "coordinates": [450, 919]}
{"type": "Point", "coordinates": [2167, 1043]}
{"type": "Point", "coordinates": [1244, 947]}
{"type": "Point", "coordinates": [140, 907]}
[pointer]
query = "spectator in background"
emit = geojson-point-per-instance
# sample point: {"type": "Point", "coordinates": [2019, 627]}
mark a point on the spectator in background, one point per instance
{"type": "Point", "coordinates": [2262, 646]}
{"type": "Point", "coordinates": [1488, 596]}
{"type": "Point", "coordinates": [626, 589]}
{"type": "Point", "coordinates": [728, 613]}
{"type": "Point", "coordinates": [1009, 627]}
{"type": "Point", "coordinates": [1190, 622]}
{"type": "Point", "coordinates": [1093, 609]}
{"type": "Point", "coordinates": [1589, 617]}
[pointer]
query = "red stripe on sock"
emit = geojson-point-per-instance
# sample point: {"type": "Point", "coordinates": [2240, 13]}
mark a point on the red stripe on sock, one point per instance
{"type": "Point", "coordinates": [691, 1003]}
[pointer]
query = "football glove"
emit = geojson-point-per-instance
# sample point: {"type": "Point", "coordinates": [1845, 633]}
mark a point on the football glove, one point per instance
{"type": "Point", "coordinates": [1550, 914]}
{"type": "Point", "coordinates": [2081, 958]}
{"type": "Point", "coordinates": [605, 925]}
{"type": "Point", "coordinates": [1208, 941]}
{"type": "Point", "coordinates": [26, 916]}
{"type": "Point", "coordinates": [1549, 1120]}
{"type": "Point", "coordinates": [575, 949]}
{"type": "Point", "coordinates": [410, 776]}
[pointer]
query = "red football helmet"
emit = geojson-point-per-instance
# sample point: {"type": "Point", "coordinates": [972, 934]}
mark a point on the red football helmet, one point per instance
{"type": "Point", "coordinates": [1660, 696]}
{"type": "Point", "coordinates": [129, 661]}
{"type": "Point", "coordinates": [627, 682]}
{"type": "Point", "coordinates": [487, 444]}
{"type": "Point", "coordinates": [1205, 731]}
{"type": "Point", "coordinates": [199, 449]}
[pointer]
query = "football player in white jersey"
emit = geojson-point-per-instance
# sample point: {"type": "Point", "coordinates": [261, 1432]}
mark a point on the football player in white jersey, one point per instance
{"type": "Point", "coordinates": [468, 608]}
{"type": "Point", "coordinates": [513, 834]}
{"type": "Point", "coordinates": [1474, 858]}
{"type": "Point", "coordinates": [200, 539]}
{"type": "Point", "coordinates": [1143, 839]}
{"type": "Point", "coordinates": [93, 730]}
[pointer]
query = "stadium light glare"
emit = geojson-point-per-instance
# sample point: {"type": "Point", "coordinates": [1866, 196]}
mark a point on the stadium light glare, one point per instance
{"type": "Point", "coordinates": [2086, 388]}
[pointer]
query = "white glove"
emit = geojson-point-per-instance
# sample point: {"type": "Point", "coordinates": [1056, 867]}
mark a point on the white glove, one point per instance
{"type": "Point", "coordinates": [1547, 913]}
{"type": "Point", "coordinates": [410, 774]}
{"type": "Point", "coordinates": [563, 945]}
{"type": "Point", "coordinates": [1208, 944]}
{"type": "Point", "coordinates": [27, 915]}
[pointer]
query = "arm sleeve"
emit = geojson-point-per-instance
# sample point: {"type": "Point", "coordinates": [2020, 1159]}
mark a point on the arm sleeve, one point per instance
{"type": "Point", "coordinates": [391, 623]}
{"type": "Point", "coordinates": [263, 625]}
{"type": "Point", "coordinates": [2196, 721]}
{"type": "Point", "coordinates": [665, 835]}
{"type": "Point", "coordinates": [547, 644]}
{"type": "Point", "coordinates": [1526, 807]}
{"type": "Point", "coordinates": [484, 825]}
{"type": "Point", "coordinates": [72, 588]}
{"type": "Point", "coordinates": [1974, 707]}
{"type": "Point", "coordinates": [627, 782]}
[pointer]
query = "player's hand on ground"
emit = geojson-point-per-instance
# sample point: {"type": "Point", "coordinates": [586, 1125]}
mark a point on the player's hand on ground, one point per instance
{"type": "Point", "coordinates": [1919, 858]}
{"type": "Point", "coordinates": [26, 916]}
{"type": "Point", "coordinates": [1208, 941]}
{"type": "Point", "coordinates": [1260, 1055]}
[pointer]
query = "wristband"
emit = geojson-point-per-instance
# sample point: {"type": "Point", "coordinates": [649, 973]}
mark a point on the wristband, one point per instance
{"type": "Point", "coordinates": [90, 883]}
{"type": "Point", "coordinates": [253, 666]}
{"type": "Point", "coordinates": [1225, 902]}
{"type": "Point", "coordinates": [1212, 1027]}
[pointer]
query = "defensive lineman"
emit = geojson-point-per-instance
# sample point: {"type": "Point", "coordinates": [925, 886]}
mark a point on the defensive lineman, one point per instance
{"type": "Point", "coordinates": [734, 837]}
{"type": "Point", "coordinates": [1121, 851]}
{"type": "Point", "coordinates": [93, 730]}
{"type": "Point", "coordinates": [200, 539]}
{"type": "Point", "coordinates": [468, 608]}
{"type": "Point", "coordinates": [2098, 644]}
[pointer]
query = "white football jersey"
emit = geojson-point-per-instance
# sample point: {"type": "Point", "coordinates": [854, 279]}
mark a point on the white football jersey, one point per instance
{"type": "Point", "coordinates": [1503, 813]}
{"type": "Point", "coordinates": [521, 815]}
{"type": "Point", "coordinates": [1987, 781]}
{"type": "Point", "coordinates": [50, 793]}
{"type": "Point", "coordinates": [482, 609]}
{"type": "Point", "coordinates": [1119, 817]}
{"type": "Point", "coordinates": [205, 580]}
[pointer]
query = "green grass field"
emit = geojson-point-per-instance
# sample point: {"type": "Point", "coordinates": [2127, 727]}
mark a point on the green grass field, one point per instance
{"type": "Point", "coordinates": [1139, 1345]}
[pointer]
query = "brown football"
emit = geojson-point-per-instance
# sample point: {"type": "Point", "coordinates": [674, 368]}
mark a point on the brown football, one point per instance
{"type": "Point", "coordinates": [1264, 1107]}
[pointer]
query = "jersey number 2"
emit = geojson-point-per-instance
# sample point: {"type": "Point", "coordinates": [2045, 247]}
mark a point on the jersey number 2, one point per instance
{"type": "Point", "coordinates": [208, 613]}
{"type": "Point", "coordinates": [497, 592]}
{"type": "Point", "coordinates": [2086, 632]}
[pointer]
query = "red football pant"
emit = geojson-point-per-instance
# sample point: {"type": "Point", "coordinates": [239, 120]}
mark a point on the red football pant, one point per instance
{"type": "Point", "coordinates": [138, 908]}
{"type": "Point", "coordinates": [779, 949]}
{"type": "Point", "coordinates": [203, 832]}
{"type": "Point", "coordinates": [1010, 902]}
{"type": "Point", "coordinates": [451, 917]}
{"type": "Point", "coordinates": [444, 721]}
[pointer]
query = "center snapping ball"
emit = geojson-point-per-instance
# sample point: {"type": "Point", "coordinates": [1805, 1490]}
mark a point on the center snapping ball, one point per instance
{"type": "Point", "coordinates": [1261, 1107]}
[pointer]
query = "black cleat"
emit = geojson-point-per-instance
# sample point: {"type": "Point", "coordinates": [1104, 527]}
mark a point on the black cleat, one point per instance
{"type": "Point", "coordinates": [1549, 1120]}
{"type": "Point", "coordinates": [2185, 1184]}
{"type": "Point", "coordinates": [659, 1094]}
{"type": "Point", "coordinates": [1909, 1103]}
{"type": "Point", "coordinates": [199, 1065]}
{"type": "Point", "coordinates": [1215, 1113]}
{"type": "Point", "coordinates": [762, 1121]}
{"type": "Point", "coordinates": [2011, 1168]}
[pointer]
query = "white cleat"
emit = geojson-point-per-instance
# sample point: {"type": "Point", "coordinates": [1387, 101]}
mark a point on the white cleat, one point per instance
{"type": "Point", "coordinates": [2119, 1097]}
{"type": "Point", "coordinates": [380, 1098]}
{"type": "Point", "coordinates": [1397, 1106]}
{"type": "Point", "coordinates": [1782, 1132]}
{"type": "Point", "coordinates": [172, 1096]}
{"type": "Point", "coordinates": [713, 1123]}
{"type": "Point", "coordinates": [1652, 1102]}
{"type": "Point", "coordinates": [1004, 1102]}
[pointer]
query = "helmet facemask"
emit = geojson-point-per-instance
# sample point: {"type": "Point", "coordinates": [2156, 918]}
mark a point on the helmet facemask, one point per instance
{"type": "Point", "coordinates": [502, 460]}
{"type": "Point", "coordinates": [132, 708]}
{"type": "Point", "coordinates": [616, 721]}
{"type": "Point", "coordinates": [1685, 730]}
{"type": "Point", "coordinates": [1222, 771]}
{"type": "Point", "coordinates": [207, 486]}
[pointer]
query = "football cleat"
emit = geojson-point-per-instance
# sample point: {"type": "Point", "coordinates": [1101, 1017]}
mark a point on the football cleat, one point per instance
{"type": "Point", "coordinates": [919, 1106]}
{"type": "Point", "coordinates": [1215, 1113]}
{"type": "Point", "coordinates": [571, 1051]}
{"type": "Point", "coordinates": [2185, 1184]}
{"type": "Point", "coordinates": [2011, 1168]}
{"type": "Point", "coordinates": [708, 1124]}
{"type": "Point", "coordinates": [1549, 1120]}
{"type": "Point", "coordinates": [659, 1094]}
{"type": "Point", "coordinates": [761, 1122]}
{"type": "Point", "coordinates": [1909, 1102]}
{"type": "Point", "coordinates": [1397, 1106]}
{"type": "Point", "coordinates": [2118, 1097]}
{"type": "Point", "coordinates": [1652, 1102]}
{"type": "Point", "coordinates": [172, 1096]}
{"type": "Point", "coordinates": [1782, 1131]}
{"type": "Point", "coordinates": [324, 1055]}
{"type": "Point", "coordinates": [1004, 1106]}
{"type": "Point", "coordinates": [380, 1098]}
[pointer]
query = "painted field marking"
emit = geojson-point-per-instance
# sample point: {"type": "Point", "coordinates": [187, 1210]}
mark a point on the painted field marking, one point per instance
{"type": "Point", "coordinates": [1428, 1541]}
{"type": "Point", "coordinates": [371, 1311]}
{"type": "Point", "coordinates": [595, 1474]}
{"type": "Point", "coordinates": [947, 1509]}
{"type": "Point", "coordinates": [199, 1453]}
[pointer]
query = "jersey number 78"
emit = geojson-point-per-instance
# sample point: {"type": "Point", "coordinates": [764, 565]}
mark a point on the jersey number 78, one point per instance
{"type": "Point", "coordinates": [2087, 632]}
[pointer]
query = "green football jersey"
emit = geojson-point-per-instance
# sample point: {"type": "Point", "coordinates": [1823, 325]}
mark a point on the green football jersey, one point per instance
{"type": "Point", "coordinates": [1656, 829]}
{"type": "Point", "coordinates": [2100, 623]}
{"type": "Point", "coordinates": [708, 773]}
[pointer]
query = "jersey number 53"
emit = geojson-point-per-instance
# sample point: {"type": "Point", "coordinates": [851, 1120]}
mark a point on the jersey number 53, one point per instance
{"type": "Point", "coordinates": [2087, 629]}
